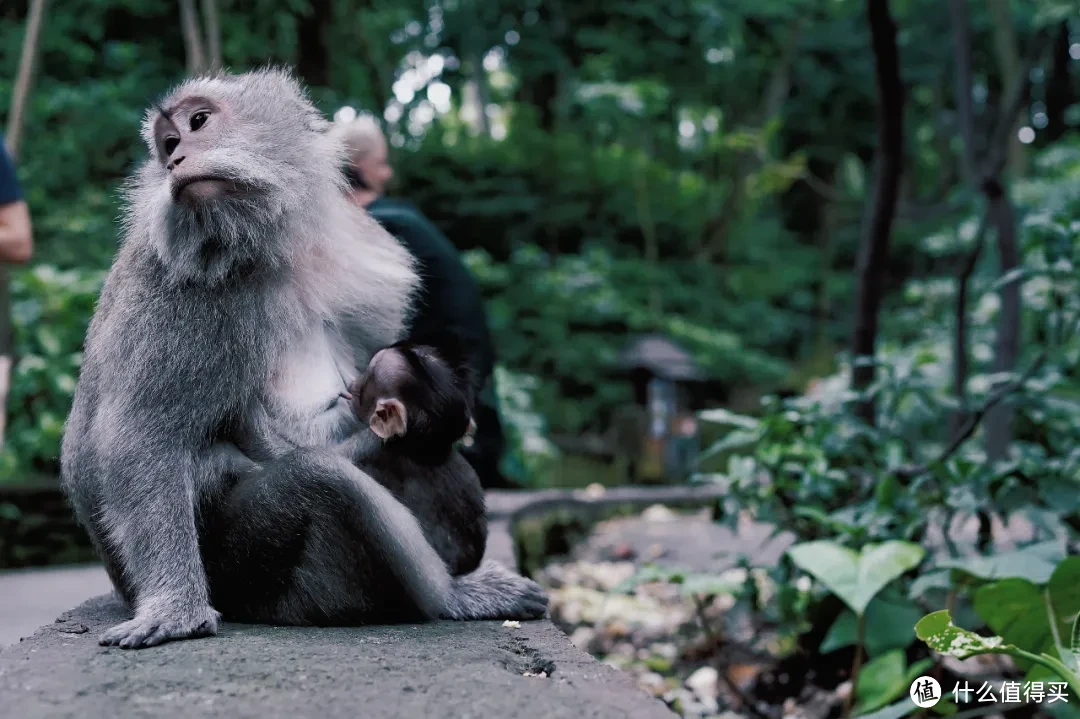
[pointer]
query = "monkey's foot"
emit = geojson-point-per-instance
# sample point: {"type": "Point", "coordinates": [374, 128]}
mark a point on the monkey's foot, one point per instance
{"type": "Point", "coordinates": [152, 627]}
{"type": "Point", "coordinates": [494, 592]}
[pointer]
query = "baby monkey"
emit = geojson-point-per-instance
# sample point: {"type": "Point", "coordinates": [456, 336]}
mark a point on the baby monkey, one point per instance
{"type": "Point", "coordinates": [418, 401]}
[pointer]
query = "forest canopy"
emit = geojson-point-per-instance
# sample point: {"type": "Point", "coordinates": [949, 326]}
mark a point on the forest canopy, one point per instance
{"type": "Point", "coordinates": [705, 170]}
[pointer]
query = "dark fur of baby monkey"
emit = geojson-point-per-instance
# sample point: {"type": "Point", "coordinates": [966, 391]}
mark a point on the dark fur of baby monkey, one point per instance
{"type": "Point", "coordinates": [420, 406]}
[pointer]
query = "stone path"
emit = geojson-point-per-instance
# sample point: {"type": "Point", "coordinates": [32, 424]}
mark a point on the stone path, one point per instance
{"type": "Point", "coordinates": [32, 597]}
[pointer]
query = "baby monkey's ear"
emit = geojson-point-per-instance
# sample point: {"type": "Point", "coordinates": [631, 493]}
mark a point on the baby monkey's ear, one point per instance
{"type": "Point", "coordinates": [389, 419]}
{"type": "Point", "coordinates": [470, 432]}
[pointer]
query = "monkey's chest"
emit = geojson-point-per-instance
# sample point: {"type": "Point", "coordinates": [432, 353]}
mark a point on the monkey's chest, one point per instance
{"type": "Point", "coordinates": [307, 384]}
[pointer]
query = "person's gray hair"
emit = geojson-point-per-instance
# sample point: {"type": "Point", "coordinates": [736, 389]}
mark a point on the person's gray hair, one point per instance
{"type": "Point", "coordinates": [360, 133]}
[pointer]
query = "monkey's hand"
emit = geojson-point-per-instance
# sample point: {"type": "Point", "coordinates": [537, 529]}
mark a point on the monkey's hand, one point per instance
{"type": "Point", "coordinates": [160, 623]}
{"type": "Point", "coordinates": [494, 592]}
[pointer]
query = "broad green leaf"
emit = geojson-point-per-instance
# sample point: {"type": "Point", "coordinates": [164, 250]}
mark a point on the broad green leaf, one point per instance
{"type": "Point", "coordinates": [723, 416]}
{"type": "Point", "coordinates": [1074, 641]}
{"type": "Point", "coordinates": [1063, 592]}
{"type": "Point", "coordinates": [941, 635]}
{"type": "Point", "coordinates": [889, 623]}
{"type": "Point", "coordinates": [881, 680]}
{"type": "Point", "coordinates": [1035, 563]}
{"type": "Point", "coordinates": [856, 577]}
{"type": "Point", "coordinates": [1015, 609]}
{"type": "Point", "coordinates": [733, 440]}
{"type": "Point", "coordinates": [929, 581]}
{"type": "Point", "coordinates": [1010, 277]}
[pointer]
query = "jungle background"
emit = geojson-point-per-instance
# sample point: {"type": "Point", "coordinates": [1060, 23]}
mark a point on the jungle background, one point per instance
{"type": "Point", "coordinates": [857, 216]}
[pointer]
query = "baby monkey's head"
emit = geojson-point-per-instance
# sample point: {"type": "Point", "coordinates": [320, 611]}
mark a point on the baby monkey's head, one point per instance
{"type": "Point", "coordinates": [415, 395]}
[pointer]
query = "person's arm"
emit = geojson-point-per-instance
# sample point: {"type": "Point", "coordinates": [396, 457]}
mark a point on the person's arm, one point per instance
{"type": "Point", "coordinates": [16, 240]}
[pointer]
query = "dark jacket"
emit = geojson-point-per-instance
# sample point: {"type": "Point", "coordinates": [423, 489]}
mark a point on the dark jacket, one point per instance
{"type": "Point", "coordinates": [449, 302]}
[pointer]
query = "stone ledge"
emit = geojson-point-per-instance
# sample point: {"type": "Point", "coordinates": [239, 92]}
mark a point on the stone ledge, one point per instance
{"type": "Point", "coordinates": [440, 669]}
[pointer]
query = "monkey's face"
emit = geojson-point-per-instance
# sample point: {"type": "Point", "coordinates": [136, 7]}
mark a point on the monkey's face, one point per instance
{"type": "Point", "coordinates": [185, 137]}
{"type": "Point", "coordinates": [234, 160]}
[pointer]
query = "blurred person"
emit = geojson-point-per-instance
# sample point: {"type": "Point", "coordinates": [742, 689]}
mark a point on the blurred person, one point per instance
{"type": "Point", "coordinates": [16, 247]}
{"type": "Point", "coordinates": [449, 300]}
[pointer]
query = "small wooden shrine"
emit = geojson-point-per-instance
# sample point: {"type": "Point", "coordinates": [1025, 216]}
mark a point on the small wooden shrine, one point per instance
{"type": "Point", "coordinates": [659, 432]}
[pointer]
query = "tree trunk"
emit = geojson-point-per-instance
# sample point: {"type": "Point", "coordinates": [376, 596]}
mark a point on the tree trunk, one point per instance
{"type": "Point", "coordinates": [987, 180]}
{"type": "Point", "coordinates": [1009, 63]}
{"type": "Point", "coordinates": [213, 35]}
{"type": "Point", "coordinates": [877, 230]}
{"type": "Point", "coordinates": [193, 45]}
{"type": "Point", "coordinates": [20, 96]}
{"type": "Point", "coordinates": [962, 87]}
{"type": "Point", "coordinates": [997, 425]}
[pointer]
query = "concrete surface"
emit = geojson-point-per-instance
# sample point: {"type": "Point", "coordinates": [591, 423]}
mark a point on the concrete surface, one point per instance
{"type": "Point", "coordinates": [443, 669]}
{"type": "Point", "coordinates": [32, 597]}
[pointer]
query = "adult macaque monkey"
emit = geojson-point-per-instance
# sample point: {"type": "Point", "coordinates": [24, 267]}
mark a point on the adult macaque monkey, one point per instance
{"type": "Point", "coordinates": [199, 450]}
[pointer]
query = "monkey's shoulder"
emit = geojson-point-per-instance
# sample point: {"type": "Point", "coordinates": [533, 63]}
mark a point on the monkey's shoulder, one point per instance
{"type": "Point", "coordinates": [175, 347]}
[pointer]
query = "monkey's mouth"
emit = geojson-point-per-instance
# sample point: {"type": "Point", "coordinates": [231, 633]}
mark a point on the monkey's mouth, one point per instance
{"type": "Point", "coordinates": [203, 188]}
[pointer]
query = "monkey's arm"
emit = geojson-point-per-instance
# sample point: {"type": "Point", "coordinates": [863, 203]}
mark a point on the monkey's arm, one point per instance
{"type": "Point", "coordinates": [148, 512]}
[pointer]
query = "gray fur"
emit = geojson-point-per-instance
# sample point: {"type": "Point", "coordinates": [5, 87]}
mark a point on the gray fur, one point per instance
{"type": "Point", "coordinates": [200, 440]}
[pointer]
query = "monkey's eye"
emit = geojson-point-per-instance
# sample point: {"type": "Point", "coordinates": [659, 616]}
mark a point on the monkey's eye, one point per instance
{"type": "Point", "coordinates": [199, 119]}
{"type": "Point", "coordinates": [170, 145]}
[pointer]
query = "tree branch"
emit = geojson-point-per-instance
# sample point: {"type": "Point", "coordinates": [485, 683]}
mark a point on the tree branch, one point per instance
{"type": "Point", "coordinates": [960, 340]}
{"type": "Point", "coordinates": [189, 25]}
{"type": "Point", "coordinates": [20, 96]}
{"type": "Point", "coordinates": [972, 423]}
{"type": "Point", "coordinates": [213, 35]}
{"type": "Point", "coordinates": [962, 85]}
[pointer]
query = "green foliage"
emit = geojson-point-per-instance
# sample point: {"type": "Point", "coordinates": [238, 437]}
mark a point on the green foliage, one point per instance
{"type": "Point", "coordinates": [594, 218]}
{"type": "Point", "coordinates": [889, 618]}
{"type": "Point", "coordinates": [51, 310]}
{"type": "Point", "coordinates": [856, 577]}
{"type": "Point", "coordinates": [884, 679]}
{"type": "Point", "coordinates": [941, 635]}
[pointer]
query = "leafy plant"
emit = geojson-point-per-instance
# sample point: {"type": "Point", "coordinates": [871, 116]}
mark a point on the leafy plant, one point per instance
{"type": "Point", "coordinates": [857, 577]}
{"type": "Point", "coordinates": [1036, 626]}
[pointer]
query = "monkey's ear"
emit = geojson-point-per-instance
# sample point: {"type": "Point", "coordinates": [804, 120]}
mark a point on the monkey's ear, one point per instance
{"type": "Point", "coordinates": [389, 419]}
{"type": "Point", "coordinates": [470, 432]}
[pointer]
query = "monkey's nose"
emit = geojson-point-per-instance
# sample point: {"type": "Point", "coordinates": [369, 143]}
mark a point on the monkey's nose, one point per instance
{"type": "Point", "coordinates": [175, 162]}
